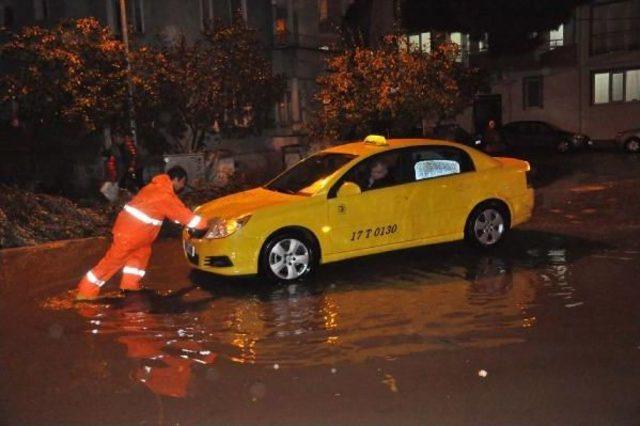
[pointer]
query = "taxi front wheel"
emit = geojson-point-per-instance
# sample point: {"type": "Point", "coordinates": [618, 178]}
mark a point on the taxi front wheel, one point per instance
{"type": "Point", "coordinates": [288, 256]}
{"type": "Point", "coordinates": [487, 225]}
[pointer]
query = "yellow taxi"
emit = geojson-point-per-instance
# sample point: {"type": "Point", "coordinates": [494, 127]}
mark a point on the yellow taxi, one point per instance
{"type": "Point", "coordinates": [358, 199]}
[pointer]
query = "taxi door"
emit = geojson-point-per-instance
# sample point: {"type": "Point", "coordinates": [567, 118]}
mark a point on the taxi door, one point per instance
{"type": "Point", "coordinates": [443, 185]}
{"type": "Point", "coordinates": [375, 217]}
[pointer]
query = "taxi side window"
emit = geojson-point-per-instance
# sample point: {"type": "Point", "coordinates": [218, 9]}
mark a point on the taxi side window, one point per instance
{"type": "Point", "coordinates": [380, 171]}
{"type": "Point", "coordinates": [438, 161]}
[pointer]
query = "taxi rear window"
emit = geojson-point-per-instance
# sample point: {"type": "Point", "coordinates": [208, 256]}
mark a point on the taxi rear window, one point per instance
{"type": "Point", "coordinates": [437, 161]}
{"type": "Point", "coordinates": [306, 177]}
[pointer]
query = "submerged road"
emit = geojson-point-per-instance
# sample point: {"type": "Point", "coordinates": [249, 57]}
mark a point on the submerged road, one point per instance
{"type": "Point", "coordinates": [544, 330]}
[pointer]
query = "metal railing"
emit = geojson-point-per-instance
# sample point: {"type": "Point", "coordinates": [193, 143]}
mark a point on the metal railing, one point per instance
{"type": "Point", "coordinates": [615, 41]}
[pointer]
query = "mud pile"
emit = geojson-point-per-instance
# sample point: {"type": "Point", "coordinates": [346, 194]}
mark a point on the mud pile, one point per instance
{"type": "Point", "coordinates": [28, 219]}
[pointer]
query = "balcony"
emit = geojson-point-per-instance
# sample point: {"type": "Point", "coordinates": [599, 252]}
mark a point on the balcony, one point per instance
{"type": "Point", "coordinates": [615, 41]}
{"type": "Point", "coordinates": [547, 56]}
{"type": "Point", "coordinates": [287, 39]}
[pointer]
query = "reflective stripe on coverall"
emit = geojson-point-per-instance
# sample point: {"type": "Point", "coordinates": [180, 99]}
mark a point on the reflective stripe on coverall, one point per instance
{"type": "Point", "coordinates": [136, 227]}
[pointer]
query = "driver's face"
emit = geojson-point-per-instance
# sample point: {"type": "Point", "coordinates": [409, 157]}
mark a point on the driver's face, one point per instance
{"type": "Point", "coordinates": [378, 171]}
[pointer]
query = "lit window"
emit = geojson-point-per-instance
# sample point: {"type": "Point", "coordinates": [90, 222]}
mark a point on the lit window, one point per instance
{"type": "Point", "coordinates": [601, 88]}
{"type": "Point", "coordinates": [281, 30]}
{"type": "Point", "coordinates": [617, 87]}
{"type": "Point", "coordinates": [532, 92]}
{"type": "Point", "coordinates": [425, 42]}
{"type": "Point", "coordinates": [462, 41]}
{"type": "Point", "coordinates": [632, 92]}
{"type": "Point", "coordinates": [414, 42]}
{"type": "Point", "coordinates": [419, 42]}
{"type": "Point", "coordinates": [280, 27]}
{"type": "Point", "coordinates": [556, 37]}
{"type": "Point", "coordinates": [483, 43]}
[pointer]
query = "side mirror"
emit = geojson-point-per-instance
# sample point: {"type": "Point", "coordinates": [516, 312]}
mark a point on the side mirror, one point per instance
{"type": "Point", "coordinates": [348, 188]}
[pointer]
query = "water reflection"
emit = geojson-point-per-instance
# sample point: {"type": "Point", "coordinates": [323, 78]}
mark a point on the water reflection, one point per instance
{"type": "Point", "coordinates": [465, 302]}
{"type": "Point", "coordinates": [165, 351]}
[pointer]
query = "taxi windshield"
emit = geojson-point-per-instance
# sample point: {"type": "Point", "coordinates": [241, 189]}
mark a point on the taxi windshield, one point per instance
{"type": "Point", "coordinates": [309, 175]}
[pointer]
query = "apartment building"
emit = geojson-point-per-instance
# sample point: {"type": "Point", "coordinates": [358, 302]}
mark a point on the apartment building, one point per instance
{"type": "Point", "coordinates": [297, 33]}
{"type": "Point", "coordinates": [585, 77]}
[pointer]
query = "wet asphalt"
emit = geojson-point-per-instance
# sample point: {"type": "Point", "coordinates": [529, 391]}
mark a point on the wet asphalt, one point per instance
{"type": "Point", "coordinates": [544, 330]}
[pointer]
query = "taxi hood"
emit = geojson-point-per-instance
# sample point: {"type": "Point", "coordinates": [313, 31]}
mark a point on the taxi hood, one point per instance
{"type": "Point", "coordinates": [245, 202]}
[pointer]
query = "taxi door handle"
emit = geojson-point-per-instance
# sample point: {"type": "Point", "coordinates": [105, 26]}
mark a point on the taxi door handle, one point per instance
{"type": "Point", "coordinates": [342, 208]}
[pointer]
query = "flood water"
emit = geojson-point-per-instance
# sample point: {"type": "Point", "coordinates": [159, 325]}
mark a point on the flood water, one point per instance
{"type": "Point", "coordinates": [544, 330]}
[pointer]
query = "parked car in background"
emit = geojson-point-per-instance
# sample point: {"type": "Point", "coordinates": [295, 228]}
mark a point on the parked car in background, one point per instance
{"type": "Point", "coordinates": [629, 140]}
{"type": "Point", "coordinates": [454, 133]}
{"type": "Point", "coordinates": [539, 134]}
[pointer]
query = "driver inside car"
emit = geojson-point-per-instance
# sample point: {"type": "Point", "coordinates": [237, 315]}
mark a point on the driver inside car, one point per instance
{"type": "Point", "coordinates": [379, 176]}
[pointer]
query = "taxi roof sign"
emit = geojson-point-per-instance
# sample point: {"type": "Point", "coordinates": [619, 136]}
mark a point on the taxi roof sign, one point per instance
{"type": "Point", "coordinates": [376, 140]}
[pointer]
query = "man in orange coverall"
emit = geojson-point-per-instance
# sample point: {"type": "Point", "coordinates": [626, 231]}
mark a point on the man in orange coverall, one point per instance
{"type": "Point", "coordinates": [136, 227]}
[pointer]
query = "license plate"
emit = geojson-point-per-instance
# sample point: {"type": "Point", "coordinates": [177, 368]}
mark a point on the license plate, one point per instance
{"type": "Point", "coordinates": [190, 249]}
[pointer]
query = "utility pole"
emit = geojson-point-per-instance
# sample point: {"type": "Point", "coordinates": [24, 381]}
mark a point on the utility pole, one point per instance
{"type": "Point", "coordinates": [125, 39]}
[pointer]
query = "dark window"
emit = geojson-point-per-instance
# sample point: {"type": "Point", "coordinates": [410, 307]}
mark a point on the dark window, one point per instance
{"type": "Point", "coordinates": [206, 13]}
{"type": "Point", "coordinates": [614, 27]}
{"type": "Point", "coordinates": [306, 176]}
{"type": "Point", "coordinates": [138, 16]}
{"type": "Point", "coordinates": [329, 15]}
{"type": "Point", "coordinates": [377, 172]}
{"type": "Point", "coordinates": [41, 10]}
{"type": "Point", "coordinates": [437, 161]}
{"type": "Point", "coordinates": [117, 19]}
{"type": "Point", "coordinates": [532, 92]}
{"type": "Point", "coordinates": [8, 16]}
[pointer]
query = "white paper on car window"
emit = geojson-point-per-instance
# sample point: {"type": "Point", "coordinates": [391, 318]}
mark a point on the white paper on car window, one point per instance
{"type": "Point", "coordinates": [427, 169]}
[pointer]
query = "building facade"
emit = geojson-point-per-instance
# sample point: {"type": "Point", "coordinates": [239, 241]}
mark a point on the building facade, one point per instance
{"type": "Point", "coordinates": [297, 34]}
{"type": "Point", "coordinates": [584, 78]}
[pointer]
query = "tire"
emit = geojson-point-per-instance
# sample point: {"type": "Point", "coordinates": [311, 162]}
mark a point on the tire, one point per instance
{"type": "Point", "coordinates": [487, 225]}
{"type": "Point", "coordinates": [632, 145]}
{"type": "Point", "coordinates": [563, 146]}
{"type": "Point", "coordinates": [288, 256]}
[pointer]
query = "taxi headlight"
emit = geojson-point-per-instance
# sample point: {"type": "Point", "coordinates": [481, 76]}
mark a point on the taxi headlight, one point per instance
{"type": "Point", "coordinates": [222, 228]}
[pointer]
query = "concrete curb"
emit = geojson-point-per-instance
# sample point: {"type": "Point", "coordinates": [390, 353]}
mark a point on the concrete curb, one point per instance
{"type": "Point", "coordinates": [49, 245]}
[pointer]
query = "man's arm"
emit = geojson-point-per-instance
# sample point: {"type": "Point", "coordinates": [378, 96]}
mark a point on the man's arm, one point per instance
{"type": "Point", "coordinates": [178, 212]}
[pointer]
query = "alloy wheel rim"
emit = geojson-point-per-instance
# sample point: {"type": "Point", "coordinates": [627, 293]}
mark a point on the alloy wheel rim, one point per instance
{"type": "Point", "coordinates": [633, 146]}
{"type": "Point", "coordinates": [289, 259]}
{"type": "Point", "coordinates": [488, 227]}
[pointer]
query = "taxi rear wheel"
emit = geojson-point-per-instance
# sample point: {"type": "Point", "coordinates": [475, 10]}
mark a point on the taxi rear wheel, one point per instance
{"type": "Point", "coordinates": [288, 256]}
{"type": "Point", "coordinates": [487, 225]}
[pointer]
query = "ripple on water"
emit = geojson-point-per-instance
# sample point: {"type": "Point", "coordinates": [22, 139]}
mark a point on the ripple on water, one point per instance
{"type": "Point", "coordinates": [485, 305]}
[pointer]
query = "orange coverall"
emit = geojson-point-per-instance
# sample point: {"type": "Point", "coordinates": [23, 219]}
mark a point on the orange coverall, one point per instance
{"type": "Point", "coordinates": [136, 227]}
